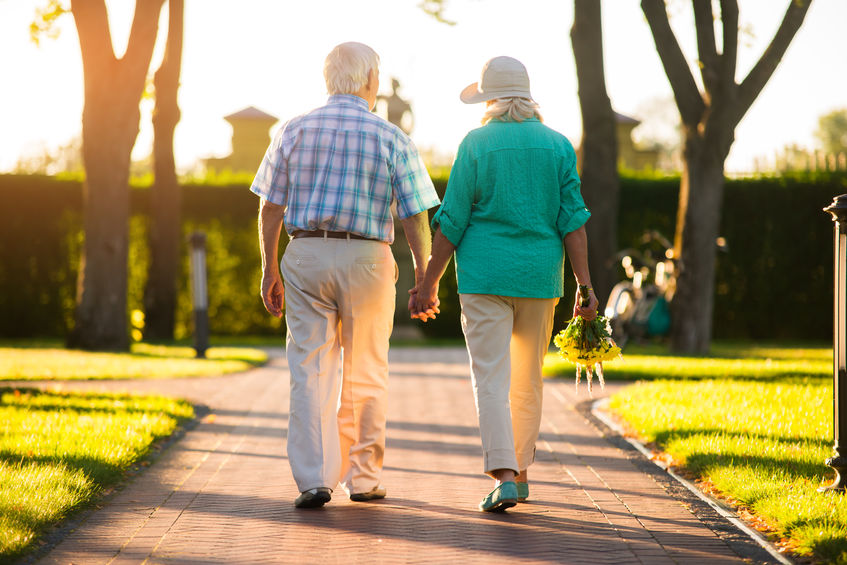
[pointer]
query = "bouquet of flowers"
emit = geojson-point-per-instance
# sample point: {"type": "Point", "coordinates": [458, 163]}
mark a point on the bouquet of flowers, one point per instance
{"type": "Point", "coordinates": [587, 344]}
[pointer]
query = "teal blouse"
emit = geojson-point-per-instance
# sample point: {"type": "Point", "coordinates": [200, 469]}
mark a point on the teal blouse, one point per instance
{"type": "Point", "coordinates": [512, 196]}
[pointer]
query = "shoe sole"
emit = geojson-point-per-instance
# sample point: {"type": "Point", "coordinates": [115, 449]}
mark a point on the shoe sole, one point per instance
{"type": "Point", "coordinates": [366, 497]}
{"type": "Point", "coordinates": [315, 502]}
{"type": "Point", "coordinates": [501, 506]}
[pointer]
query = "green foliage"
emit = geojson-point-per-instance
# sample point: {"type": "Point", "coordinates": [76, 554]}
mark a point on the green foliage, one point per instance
{"type": "Point", "coordinates": [832, 131]}
{"type": "Point", "coordinates": [778, 267]}
{"type": "Point", "coordinates": [59, 451]}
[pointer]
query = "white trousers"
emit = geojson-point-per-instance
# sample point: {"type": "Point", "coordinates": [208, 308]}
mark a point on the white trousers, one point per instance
{"type": "Point", "coordinates": [507, 339]}
{"type": "Point", "coordinates": [339, 310]}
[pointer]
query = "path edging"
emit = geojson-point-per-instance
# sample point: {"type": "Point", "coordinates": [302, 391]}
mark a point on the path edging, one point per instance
{"type": "Point", "coordinates": [747, 542]}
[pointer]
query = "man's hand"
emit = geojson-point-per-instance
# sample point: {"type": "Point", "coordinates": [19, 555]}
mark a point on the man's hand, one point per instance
{"type": "Point", "coordinates": [273, 293]}
{"type": "Point", "coordinates": [587, 312]}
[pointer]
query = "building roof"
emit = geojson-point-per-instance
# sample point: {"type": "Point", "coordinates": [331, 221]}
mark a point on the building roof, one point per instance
{"type": "Point", "coordinates": [251, 113]}
{"type": "Point", "coordinates": [621, 119]}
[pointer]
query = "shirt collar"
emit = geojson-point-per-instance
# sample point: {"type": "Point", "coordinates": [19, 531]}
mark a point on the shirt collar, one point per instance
{"type": "Point", "coordinates": [348, 99]}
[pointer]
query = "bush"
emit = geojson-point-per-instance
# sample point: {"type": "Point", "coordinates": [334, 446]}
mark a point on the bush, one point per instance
{"type": "Point", "coordinates": [775, 281]}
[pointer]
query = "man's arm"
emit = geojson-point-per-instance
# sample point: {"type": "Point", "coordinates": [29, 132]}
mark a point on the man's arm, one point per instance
{"type": "Point", "coordinates": [419, 237]}
{"type": "Point", "coordinates": [270, 227]}
{"type": "Point", "coordinates": [576, 246]}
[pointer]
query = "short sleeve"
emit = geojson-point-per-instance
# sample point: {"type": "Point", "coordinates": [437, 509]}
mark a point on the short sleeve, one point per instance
{"type": "Point", "coordinates": [455, 213]}
{"type": "Point", "coordinates": [572, 211]}
{"type": "Point", "coordinates": [413, 188]}
{"type": "Point", "coordinates": [271, 180]}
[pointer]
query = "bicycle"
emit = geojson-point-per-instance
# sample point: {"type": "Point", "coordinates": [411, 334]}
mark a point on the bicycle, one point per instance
{"type": "Point", "coordinates": [638, 307]}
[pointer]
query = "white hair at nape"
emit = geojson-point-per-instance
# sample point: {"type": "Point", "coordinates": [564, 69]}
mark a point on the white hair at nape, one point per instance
{"type": "Point", "coordinates": [347, 66]}
{"type": "Point", "coordinates": [515, 109]}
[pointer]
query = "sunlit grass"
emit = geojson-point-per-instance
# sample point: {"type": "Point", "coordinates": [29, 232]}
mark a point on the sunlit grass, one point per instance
{"type": "Point", "coordinates": [59, 451]}
{"type": "Point", "coordinates": [756, 432]}
{"type": "Point", "coordinates": [45, 361]}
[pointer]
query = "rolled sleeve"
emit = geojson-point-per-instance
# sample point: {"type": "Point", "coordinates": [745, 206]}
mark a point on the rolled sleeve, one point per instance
{"type": "Point", "coordinates": [413, 188]}
{"type": "Point", "coordinates": [572, 211]}
{"type": "Point", "coordinates": [455, 213]}
{"type": "Point", "coordinates": [271, 180]}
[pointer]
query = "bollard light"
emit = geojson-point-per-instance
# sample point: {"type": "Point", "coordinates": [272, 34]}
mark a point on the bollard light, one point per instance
{"type": "Point", "coordinates": [838, 461]}
{"type": "Point", "coordinates": [198, 288]}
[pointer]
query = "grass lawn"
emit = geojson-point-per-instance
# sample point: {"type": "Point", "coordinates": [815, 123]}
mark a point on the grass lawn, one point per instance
{"type": "Point", "coordinates": [59, 451]}
{"type": "Point", "coordinates": [49, 361]}
{"type": "Point", "coordinates": [752, 423]}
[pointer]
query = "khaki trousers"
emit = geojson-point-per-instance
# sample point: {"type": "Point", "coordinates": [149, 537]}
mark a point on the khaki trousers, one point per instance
{"type": "Point", "coordinates": [507, 338]}
{"type": "Point", "coordinates": [339, 310]}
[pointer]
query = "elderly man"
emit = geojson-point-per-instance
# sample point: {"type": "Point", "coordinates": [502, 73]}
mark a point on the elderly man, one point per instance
{"type": "Point", "coordinates": [331, 177]}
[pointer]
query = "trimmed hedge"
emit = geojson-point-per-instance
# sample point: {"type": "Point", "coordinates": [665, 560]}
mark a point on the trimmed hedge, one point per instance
{"type": "Point", "coordinates": [775, 281]}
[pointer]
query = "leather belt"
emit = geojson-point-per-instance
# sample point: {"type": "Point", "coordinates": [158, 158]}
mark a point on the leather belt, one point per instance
{"type": "Point", "coordinates": [329, 234]}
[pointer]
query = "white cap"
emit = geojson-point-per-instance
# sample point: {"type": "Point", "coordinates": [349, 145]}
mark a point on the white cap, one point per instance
{"type": "Point", "coordinates": [502, 77]}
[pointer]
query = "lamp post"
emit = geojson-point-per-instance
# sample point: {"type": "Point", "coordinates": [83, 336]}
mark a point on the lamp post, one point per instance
{"type": "Point", "coordinates": [200, 296]}
{"type": "Point", "coordinates": [838, 461]}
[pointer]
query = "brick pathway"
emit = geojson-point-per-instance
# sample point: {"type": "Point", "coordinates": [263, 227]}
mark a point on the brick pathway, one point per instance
{"type": "Point", "coordinates": [224, 492]}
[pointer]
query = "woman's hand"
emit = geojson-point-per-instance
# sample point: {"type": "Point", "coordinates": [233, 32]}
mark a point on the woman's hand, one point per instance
{"type": "Point", "coordinates": [588, 312]}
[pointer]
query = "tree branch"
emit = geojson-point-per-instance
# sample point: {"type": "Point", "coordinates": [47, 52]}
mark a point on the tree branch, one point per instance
{"type": "Point", "coordinates": [95, 39]}
{"type": "Point", "coordinates": [704, 21]}
{"type": "Point", "coordinates": [687, 95]}
{"type": "Point", "coordinates": [764, 68]}
{"type": "Point", "coordinates": [142, 35]}
{"type": "Point", "coordinates": [729, 59]}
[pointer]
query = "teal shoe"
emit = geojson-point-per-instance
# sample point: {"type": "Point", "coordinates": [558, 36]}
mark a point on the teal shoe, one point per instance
{"type": "Point", "coordinates": [502, 497]}
{"type": "Point", "coordinates": [523, 491]}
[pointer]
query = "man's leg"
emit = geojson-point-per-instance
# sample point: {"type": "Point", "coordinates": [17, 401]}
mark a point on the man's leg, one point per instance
{"type": "Point", "coordinates": [366, 306]}
{"type": "Point", "coordinates": [530, 340]}
{"type": "Point", "coordinates": [313, 351]}
{"type": "Point", "coordinates": [487, 324]}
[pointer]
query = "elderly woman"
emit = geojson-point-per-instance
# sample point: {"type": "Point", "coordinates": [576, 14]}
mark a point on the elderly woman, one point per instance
{"type": "Point", "coordinates": [511, 209]}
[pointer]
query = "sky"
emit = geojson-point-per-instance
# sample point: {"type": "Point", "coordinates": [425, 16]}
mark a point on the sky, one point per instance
{"type": "Point", "coordinates": [269, 54]}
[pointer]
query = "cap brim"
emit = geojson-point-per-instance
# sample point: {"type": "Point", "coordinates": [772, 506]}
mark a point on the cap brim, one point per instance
{"type": "Point", "coordinates": [472, 95]}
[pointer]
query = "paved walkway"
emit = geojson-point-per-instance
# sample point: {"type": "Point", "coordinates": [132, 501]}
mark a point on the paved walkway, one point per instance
{"type": "Point", "coordinates": [224, 492]}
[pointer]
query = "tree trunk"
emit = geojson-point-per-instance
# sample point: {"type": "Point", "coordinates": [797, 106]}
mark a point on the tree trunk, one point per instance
{"type": "Point", "coordinates": [600, 181]}
{"type": "Point", "coordinates": [165, 197]}
{"type": "Point", "coordinates": [110, 119]}
{"type": "Point", "coordinates": [698, 225]}
{"type": "Point", "coordinates": [109, 128]}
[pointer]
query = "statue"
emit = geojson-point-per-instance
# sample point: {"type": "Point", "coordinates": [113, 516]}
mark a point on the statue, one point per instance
{"type": "Point", "coordinates": [397, 109]}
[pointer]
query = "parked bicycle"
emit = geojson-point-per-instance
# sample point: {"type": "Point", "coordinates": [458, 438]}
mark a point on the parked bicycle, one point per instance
{"type": "Point", "coordinates": [639, 306]}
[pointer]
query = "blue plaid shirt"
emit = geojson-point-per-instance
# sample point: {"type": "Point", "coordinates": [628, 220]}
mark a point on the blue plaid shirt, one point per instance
{"type": "Point", "coordinates": [340, 167]}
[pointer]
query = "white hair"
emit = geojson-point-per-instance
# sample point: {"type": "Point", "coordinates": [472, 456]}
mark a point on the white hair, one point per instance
{"type": "Point", "coordinates": [515, 108]}
{"type": "Point", "coordinates": [347, 66]}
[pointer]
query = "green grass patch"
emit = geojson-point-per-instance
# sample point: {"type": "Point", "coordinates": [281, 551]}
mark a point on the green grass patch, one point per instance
{"type": "Point", "coordinates": [60, 451]}
{"type": "Point", "coordinates": [754, 424]}
{"type": "Point", "coordinates": [48, 361]}
{"type": "Point", "coordinates": [727, 360]}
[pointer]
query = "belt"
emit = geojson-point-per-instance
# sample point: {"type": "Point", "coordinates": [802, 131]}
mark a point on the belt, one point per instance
{"type": "Point", "coordinates": [329, 234]}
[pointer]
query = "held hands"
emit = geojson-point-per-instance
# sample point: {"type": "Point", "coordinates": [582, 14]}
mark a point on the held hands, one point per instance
{"type": "Point", "coordinates": [423, 302]}
{"type": "Point", "coordinates": [588, 312]}
{"type": "Point", "coordinates": [273, 293]}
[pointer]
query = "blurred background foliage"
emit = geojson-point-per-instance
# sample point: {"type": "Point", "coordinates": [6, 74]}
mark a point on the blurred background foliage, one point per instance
{"type": "Point", "coordinates": [774, 281]}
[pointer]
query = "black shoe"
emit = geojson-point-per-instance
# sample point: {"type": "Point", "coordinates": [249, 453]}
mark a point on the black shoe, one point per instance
{"type": "Point", "coordinates": [314, 498]}
{"type": "Point", "coordinates": [374, 494]}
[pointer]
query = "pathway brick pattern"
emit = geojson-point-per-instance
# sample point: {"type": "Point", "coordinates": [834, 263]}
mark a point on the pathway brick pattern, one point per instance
{"type": "Point", "coordinates": [224, 492]}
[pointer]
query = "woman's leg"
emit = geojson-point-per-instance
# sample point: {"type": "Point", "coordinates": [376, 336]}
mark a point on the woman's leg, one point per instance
{"type": "Point", "coordinates": [487, 324]}
{"type": "Point", "coordinates": [530, 340]}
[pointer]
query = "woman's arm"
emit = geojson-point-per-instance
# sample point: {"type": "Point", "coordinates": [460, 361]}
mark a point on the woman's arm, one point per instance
{"type": "Point", "coordinates": [576, 246]}
{"type": "Point", "coordinates": [426, 293]}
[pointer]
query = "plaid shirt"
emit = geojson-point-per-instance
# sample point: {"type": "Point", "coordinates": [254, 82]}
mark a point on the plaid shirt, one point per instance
{"type": "Point", "coordinates": [340, 168]}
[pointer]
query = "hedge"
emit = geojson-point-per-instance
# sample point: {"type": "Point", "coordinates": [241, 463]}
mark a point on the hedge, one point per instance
{"type": "Point", "coordinates": [775, 281]}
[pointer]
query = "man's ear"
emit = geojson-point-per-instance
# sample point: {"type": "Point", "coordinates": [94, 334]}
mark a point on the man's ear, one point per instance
{"type": "Point", "coordinates": [373, 75]}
